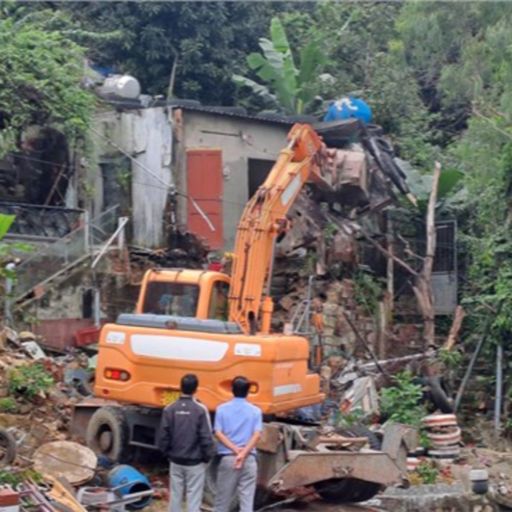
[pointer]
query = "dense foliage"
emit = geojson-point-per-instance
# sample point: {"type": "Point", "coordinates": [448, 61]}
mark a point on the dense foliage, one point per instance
{"type": "Point", "coordinates": [290, 88]}
{"type": "Point", "coordinates": [438, 76]}
{"type": "Point", "coordinates": [401, 403]}
{"type": "Point", "coordinates": [205, 42]}
{"type": "Point", "coordinates": [41, 68]}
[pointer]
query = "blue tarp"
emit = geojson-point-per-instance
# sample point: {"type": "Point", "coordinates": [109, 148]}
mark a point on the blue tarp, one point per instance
{"type": "Point", "coordinates": [348, 107]}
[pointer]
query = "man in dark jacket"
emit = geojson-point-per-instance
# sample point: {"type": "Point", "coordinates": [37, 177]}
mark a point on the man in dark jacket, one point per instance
{"type": "Point", "coordinates": [186, 439]}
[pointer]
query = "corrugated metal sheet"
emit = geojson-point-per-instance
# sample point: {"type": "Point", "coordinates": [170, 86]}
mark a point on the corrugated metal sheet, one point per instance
{"type": "Point", "coordinates": [237, 112]}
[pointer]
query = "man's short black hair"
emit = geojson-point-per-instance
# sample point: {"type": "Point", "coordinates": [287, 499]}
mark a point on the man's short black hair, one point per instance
{"type": "Point", "coordinates": [189, 384]}
{"type": "Point", "coordinates": [240, 387]}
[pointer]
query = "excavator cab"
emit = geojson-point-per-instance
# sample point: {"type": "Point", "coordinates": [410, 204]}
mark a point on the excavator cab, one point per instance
{"type": "Point", "coordinates": [185, 293]}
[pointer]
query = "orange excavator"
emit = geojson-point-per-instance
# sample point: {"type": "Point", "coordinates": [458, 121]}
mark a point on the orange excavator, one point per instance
{"type": "Point", "coordinates": [219, 326]}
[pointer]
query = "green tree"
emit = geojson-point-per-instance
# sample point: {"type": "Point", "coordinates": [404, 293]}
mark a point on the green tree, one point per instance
{"type": "Point", "coordinates": [471, 86]}
{"type": "Point", "coordinates": [445, 46]}
{"type": "Point", "coordinates": [366, 57]}
{"type": "Point", "coordinates": [40, 73]}
{"type": "Point", "coordinates": [205, 42]}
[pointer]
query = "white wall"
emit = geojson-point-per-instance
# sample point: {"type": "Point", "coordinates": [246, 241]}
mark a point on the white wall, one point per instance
{"type": "Point", "coordinates": [146, 135]}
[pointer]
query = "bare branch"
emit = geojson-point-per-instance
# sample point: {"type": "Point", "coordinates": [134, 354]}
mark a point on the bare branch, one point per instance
{"type": "Point", "coordinates": [455, 328]}
{"type": "Point", "coordinates": [384, 251]}
{"type": "Point", "coordinates": [408, 249]}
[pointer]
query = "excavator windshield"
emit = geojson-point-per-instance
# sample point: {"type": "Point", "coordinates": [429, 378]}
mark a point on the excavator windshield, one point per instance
{"type": "Point", "coordinates": [177, 299]}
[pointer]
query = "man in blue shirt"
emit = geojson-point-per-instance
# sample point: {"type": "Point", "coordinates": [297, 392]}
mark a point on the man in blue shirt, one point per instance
{"type": "Point", "coordinates": [238, 426]}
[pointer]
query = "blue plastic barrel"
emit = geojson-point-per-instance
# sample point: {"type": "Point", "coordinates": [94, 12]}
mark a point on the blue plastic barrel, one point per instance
{"type": "Point", "coordinates": [127, 480]}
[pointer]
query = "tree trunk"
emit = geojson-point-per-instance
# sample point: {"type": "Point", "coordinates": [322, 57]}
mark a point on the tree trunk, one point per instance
{"type": "Point", "coordinates": [172, 78]}
{"type": "Point", "coordinates": [456, 325]}
{"type": "Point", "coordinates": [423, 285]}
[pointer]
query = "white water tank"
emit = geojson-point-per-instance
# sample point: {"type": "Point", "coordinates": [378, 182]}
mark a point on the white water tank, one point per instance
{"type": "Point", "coordinates": [121, 86]}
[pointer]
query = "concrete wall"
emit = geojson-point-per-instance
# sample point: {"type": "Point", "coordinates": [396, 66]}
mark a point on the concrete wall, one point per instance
{"type": "Point", "coordinates": [239, 140]}
{"type": "Point", "coordinates": [146, 135]}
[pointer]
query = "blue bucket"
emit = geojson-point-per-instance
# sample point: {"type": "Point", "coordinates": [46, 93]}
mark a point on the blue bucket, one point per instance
{"type": "Point", "coordinates": [128, 481]}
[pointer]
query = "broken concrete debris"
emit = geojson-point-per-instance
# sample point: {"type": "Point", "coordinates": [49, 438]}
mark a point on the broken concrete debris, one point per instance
{"type": "Point", "coordinates": [33, 350]}
{"type": "Point", "coordinates": [35, 398]}
{"type": "Point", "coordinates": [38, 423]}
{"type": "Point", "coordinates": [73, 461]}
{"type": "Point", "coordinates": [40, 466]}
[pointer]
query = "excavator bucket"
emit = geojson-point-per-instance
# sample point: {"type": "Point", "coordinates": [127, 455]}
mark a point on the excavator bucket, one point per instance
{"type": "Point", "coordinates": [337, 474]}
{"type": "Point", "coordinates": [359, 164]}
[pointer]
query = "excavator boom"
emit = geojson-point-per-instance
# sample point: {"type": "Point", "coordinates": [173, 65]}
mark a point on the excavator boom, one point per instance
{"type": "Point", "coordinates": [263, 219]}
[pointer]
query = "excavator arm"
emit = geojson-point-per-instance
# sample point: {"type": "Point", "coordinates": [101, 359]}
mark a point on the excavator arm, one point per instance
{"type": "Point", "coordinates": [263, 220]}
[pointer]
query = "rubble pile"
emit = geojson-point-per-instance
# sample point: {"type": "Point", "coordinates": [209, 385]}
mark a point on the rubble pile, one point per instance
{"type": "Point", "coordinates": [353, 399]}
{"type": "Point", "coordinates": [344, 319]}
{"type": "Point", "coordinates": [37, 392]}
{"type": "Point", "coordinates": [347, 313]}
{"type": "Point", "coordinates": [40, 467]}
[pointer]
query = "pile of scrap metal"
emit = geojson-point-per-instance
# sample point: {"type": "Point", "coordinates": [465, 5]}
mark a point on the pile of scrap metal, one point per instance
{"type": "Point", "coordinates": [352, 387]}
{"type": "Point", "coordinates": [352, 384]}
{"type": "Point", "coordinates": [349, 389]}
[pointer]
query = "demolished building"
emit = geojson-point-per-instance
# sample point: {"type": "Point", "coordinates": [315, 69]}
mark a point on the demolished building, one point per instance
{"type": "Point", "coordinates": [182, 174]}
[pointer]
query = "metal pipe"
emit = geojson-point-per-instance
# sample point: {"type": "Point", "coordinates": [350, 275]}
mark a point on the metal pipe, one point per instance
{"type": "Point", "coordinates": [499, 388]}
{"type": "Point", "coordinates": [472, 362]}
{"type": "Point", "coordinates": [404, 359]}
{"type": "Point", "coordinates": [97, 309]}
{"type": "Point", "coordinates": [122, 223]}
